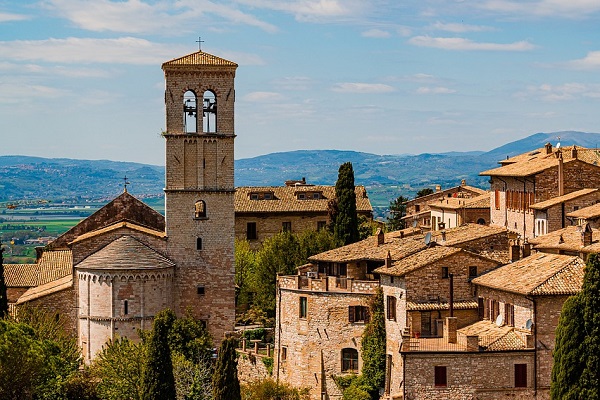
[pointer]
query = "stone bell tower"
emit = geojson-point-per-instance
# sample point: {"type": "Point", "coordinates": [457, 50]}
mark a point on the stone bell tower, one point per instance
{"type": "Point", "coordinates": [199, 99]}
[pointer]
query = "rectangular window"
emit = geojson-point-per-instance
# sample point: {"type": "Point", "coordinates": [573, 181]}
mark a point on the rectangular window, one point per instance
{"type": "Point", "coordinates": [441, 379]}
{"type": "Point", "coordinates": [321, 225]}
{"type": "Point", "coordinates": [283, 353]}
{"type": "Point", "coordinates": [200, 290]}
{"type": "Point", "coordinates": [497, 199]}
{"type": "Point", "coordinates": [125, 307]}
{"type": "Point", "coordinates": [254, 196]}
{"type": "Point", "coordinates": [316, 196]}
{"type": "Point", "coordinates": [480, 308]}
{"type": "Point", "coordinates": [198, 243]}
{"type": "Point", "coordinates": [520, 375]}
{"type": "Point", "coordinates": [509, 314]}
{"type": "Point", "coordinates": [472, 272]}
{"type": "Point", "coordinates": [301, 196]}
{"type": "Point", "coordinates": [251, 231]}
{"type": "Point", "coordinates": [303, 307]}
{"type": "Point", "coordinates": [286, 226]}
{"type": "Point", "coordinates": [349, 360]}
{"type": "Point", "coordinates": [358, 314]}
{"type": "Point", "coordinates": [445, 273]}
{"type": "Point", "coordinates": [391, 308]}
{"type": "Point", "coordinates": [268, 196]}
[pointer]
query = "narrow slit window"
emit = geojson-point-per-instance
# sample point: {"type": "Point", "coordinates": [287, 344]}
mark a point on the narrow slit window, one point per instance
{"type": "Point", "coordinates": [198, 243]}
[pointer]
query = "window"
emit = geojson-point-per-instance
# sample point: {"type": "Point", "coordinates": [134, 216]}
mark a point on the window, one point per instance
{"type": "Point", "coordinates": [472, 272]}
{"type": "Point", "coordinates": [253, 196]}
{"type": "Point", "coordinates": [303, 307]}
{"type": "Point", "coordinates": [316, 196]}
{"type": "Point", "coordinates": [497, 199]}
{"type": "Point", "coordinates": [283, 353]}
{"type": "Point", "coordinates": [520, 375]}
{"type": "Point", "coordinates": [440, 379]}
{"type": "Point", "coordinates": [445, 273]}
{"type": "Point", "coordinates": [358, 314]}
{"type": "Point", "coordinates": [509, 314]}
{"type": "Point", "coordinates": [125, 307]}
{"type": "Point", "coordinates": [480, 308]}
{"type": "Point", "coordinates": [268, 196]}
{"type": "Point", "coordinates": [321, 225]}
{"type": "Point", "coordinates": [349, 360]}
{"type": "Point", "coordinates": [190, 112]}
{"type": "Point", "coordinates": [200, 209]}
{"type": "Point", "coordinates": [209, 112]}
{"type": "Point", "coordinates": [198, 243]}
{"type": "Point", "coordinates": [417, 208]}
{"type": "Point", "coordinates": [251, 231]}
{"type": "Point", "coordinates": [200, 290]}
{"type": "Point", "coordinates": [286, 226]}
{"type": "Point", "coordinates": [391, 308]}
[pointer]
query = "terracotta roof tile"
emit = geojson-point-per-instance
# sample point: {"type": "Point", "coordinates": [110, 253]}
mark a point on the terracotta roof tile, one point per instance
{"type": "Point", "coordinates": [125, 252]}
{"type": "Point", "coordinates": [524, 168]}
{"type": "Point", "coordinates": [199, 58]}
{"type": "Point", "coordinates": [466, 191]}
{"type": "Point", "coordinates": [418, 260]}
{"type": "Point", "coordinates": [466, 233]}
{"type": "Point", "coordinates": [590, 212]}
{"type": "Point", "coordinates": [567, 239]}
{"type": "Point", "coordinates": [54, 265]}
{"type": "Point", "coordinates": [493, 337]}
{"type": "Point", "coordinates": [430, 306]}
{"type": "Point", "coordinates": [21, 275]}
{"type": "Point", "coordinates": [538, 274]}
{"type": "Point", "coordinates": [285, 199]}
{"type": "Point", "coordinates": [118, 225]}
{"type": "Point", "coordinates": [453, 203]}
{"type": "Point", "coordinates": [561, 199]}
{"type": "Point", "coordinates": [63, 283]}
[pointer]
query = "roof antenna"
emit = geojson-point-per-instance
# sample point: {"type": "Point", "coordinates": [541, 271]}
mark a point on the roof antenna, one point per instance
{"type": "Point", "coordinates": [125, 183]}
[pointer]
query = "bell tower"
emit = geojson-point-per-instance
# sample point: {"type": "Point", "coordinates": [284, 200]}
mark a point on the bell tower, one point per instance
{"type": "Point", "coordinates": [199, 192]}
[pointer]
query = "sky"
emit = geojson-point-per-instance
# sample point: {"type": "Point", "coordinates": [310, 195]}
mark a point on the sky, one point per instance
{"type": "Point", "coordinates": [83, 79]}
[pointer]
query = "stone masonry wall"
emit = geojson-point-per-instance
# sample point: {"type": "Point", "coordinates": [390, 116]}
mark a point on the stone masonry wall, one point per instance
{"type": "Point", "coordinates": [270, 224]}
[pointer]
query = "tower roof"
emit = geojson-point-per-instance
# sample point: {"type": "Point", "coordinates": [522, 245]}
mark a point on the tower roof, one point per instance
{"type": "Point", "coordinates": [199, 58]}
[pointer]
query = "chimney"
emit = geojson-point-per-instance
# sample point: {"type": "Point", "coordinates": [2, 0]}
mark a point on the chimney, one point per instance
{"type": "Point", "coordinates": [526, 249]}
{"type": "Point", "coordinates": [388, 260]}
{"type": "Point", "coordinates": [473, 343]}
{"type": "Point", "coordinates": [401, 234]}
{"type": "Point", "coordinates": [514, 251]}
{"type": "Point", "coordinates": [463, 182]}
{"type": "Point", "coordinates": [548, 148]}
{"type": "Point", "coordinates": [38, 253]}
{"type": "Point", "coordinates": [380, 237]}
{"type": "Point", "coordinates": [450, 329]}
{"type": "Point", "coordinates": [574, 152]}
{"type": "Point", "coordinates": [587, 235]}
{"type": "Point", "coordinates": [443, 236]}
{"type": "Point", "coordinates": [438, 188]}
{"type": "Point", "coordinates": [561, 180]}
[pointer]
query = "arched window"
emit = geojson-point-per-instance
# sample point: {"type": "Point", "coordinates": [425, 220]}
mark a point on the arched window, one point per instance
{"type": "Point", "coordinates": [209, 108]}
{"type": "Point", "coordinates": [190, 112]}
{"type": "Point", "coordinates": [200, 209]}
{"type": "Point", "coordinates": [481, 221]}
{"type": "Point", "coordinates": [350, 360]}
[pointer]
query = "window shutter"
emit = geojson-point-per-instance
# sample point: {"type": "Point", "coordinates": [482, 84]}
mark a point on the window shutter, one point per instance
{"type": "Point", "coordinates": [351, 314]}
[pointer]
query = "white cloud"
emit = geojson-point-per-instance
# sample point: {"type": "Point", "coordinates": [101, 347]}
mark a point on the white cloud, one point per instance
{"type": "Point", "coordinates": [264, 97]}
{"type": "Point", "coordinates": [355, 87]}
{"type": "Point", "coordinates": [565, 92]}
{"type": "Point", "coordinates": [163, 17]}
{"type": "Point", "coordinates": [313, 10]}
{"type": "Point", "coordinates": [555, 8]}
{"type": "Point", "coordinates": [590, 61]}
{"type": "Point", "coordinates": [8, 17]}
{"type": "Point", "coordinates": [22, 92]}
{"type": "Point", "coordinates": [466, 44]}
{"type": "Point", "coordinates": [460, 28]}
{"type": "Point", "coordinates": [435, 90]}
{"type": "Point", "coordinates": [376, 33]}
{"type": "Point", "coordinates": [296, 83]}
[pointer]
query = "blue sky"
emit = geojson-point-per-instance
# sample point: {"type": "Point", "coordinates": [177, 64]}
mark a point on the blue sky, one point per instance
{"type": "Point", "coordinates": [82, 79]}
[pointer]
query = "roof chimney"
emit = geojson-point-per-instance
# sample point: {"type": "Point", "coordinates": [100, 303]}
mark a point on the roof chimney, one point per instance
{"type": "Point", "coordinates": [380, 237]}
{"type": "Point", "coordinates": [548, 148]}
{"type": "Point", "coordinates": [443, 236]}
{"type": "Point", "coordinates": [438, 188]}
{"type": "Point", "coordinates": [388, 260]}
{"type": "Point", "coordinates": [574, 152]}
{"type": "Point", "coordinates": [586, 235]}
{"type": "Point", "coordinates": [561, 179]}
{"type": "Point", "coordinates": [463, 182]}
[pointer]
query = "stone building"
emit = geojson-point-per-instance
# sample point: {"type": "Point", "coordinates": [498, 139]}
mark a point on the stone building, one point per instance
{"type": "Point", "coordinates": [262, 212]}
{"type": "Point", "coordinates": [587, 215]}
{"type": "Point", "coordinates": [537, 177]}
{"type": "Point", "coordinates": [111, 273]}
{"type": "Point", "coordinates": [418, 209]}
{"type": "Point", "coordinates": [452, 212]}
{"type": "Point", "coordinates": [519, 306]}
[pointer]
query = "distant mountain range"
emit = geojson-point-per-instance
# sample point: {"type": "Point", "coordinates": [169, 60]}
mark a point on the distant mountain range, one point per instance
{"type": "Point", "coordinates": [386, 176]}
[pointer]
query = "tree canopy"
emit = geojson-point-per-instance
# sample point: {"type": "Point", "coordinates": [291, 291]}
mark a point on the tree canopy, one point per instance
{"type": "Point", "coordinates": [158, 381]}
{"type": "Point", "coordinates": [397, 211]}
{"type": "Point", "coordinates": [226, 385]}
{"type": "Point", "coordinates": [345, 219]}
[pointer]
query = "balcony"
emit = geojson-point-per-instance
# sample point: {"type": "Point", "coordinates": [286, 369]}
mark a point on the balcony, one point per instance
{"type": "Point", "coordinates": [327, 284]}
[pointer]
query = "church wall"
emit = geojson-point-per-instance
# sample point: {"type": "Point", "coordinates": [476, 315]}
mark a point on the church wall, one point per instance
{"type": "Point", "coordinates": [62, 302]}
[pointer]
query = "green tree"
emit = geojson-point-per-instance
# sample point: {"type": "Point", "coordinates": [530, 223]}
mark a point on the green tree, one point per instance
{"type": "Point", "coordinates": [158, 381]}
{"type": "Point", "coordinates": [397, 211]}
{"type": "Point", "coordinates": [568, 359]}
{"type": "Point", "coordinates": [193, 381]}
{"type": "Point", "coordinates": [226, 385]}
{"type": "Point", "coordinates": [3, 290]}
{"type": "Point", "coordinates": [268, 389]}
{"type": "Point", "coordinates": [590, 302]}
{"type": "Point", "coordinates": [373, 345]}
{"type": "Point", "coordinates": [345, 219]}
{"type": "Point", "coordinates": [424, 192]}
{"type": "Point", "coordinates": [245, 266]}
{"type": "Point", "coordinates": [118, 368]}
{"type": "Point", "coordinates": [189, 337]}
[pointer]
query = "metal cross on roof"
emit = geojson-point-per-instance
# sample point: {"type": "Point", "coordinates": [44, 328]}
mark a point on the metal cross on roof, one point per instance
{"type": "Point", "coordinates": [199, 41]}
{"type": "Point", "coordinates": [125, 183]}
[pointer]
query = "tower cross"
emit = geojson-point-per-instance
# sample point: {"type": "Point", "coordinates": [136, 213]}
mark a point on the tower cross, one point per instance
{"type": "Point", "coordinates": [125, 183]}
{"type": "Point", "coordinates": [199, 41]}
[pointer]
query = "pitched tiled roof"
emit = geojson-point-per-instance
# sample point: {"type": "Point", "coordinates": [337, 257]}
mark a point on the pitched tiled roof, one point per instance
{"type": "Point", "coordinates": [430, 306]}
{"type": "Point", "coordinates": [493, 337]}
{"type": "Point", "coordinates": [453, 203]}
{"type": "Point", "coordinates": [524, 168]}
{"type": "Point", "coordinates": [21, 275]}
{"type": "Point", "coordinates": [54, 265]}
{"type": "Point", "coordinates": [466, 191]}
{"type": "Point", "coordinates": [466, 233]}
{"type": "Point", "coordinates": [539, 274]}
{"type": "Point", "coordinates": [417, 260]}
{"type": "Point", "coordinates": [285, 199]}
{"type": "Point", "coordinates": [63, 283]}
{"type": "Point", "coordinates": [125, 252]}
{"type": "Point", "coordinates": [199, 58]}
{"type": "Point", "coordinates": [590, 212]}
{"type": "Point", "coordinates": [567, 239]}
{"type": "Point", "coordinates": [561, 199]}
{"type": "Point", "coordinates": [123, 208]}
{"type": "Point", "coordinates": [118, 225]}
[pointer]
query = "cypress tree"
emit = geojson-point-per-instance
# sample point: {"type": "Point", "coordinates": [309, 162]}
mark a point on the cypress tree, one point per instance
{"type": "Point", "coordinates": [226, 385]}
{"type": "Point", "coordinates": [590, 301]}
{"type": "Point", "coordinates": [3, 290]}
{"type": "Point", "coordinates": [158, 381]}
{"type": "Point", "coordinates": [345, 220]}
{"type": "Point", "coordinates": [373, 345]}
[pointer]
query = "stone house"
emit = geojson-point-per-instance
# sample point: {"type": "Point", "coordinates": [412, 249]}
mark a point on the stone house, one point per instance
{"type": "Point", "coordinates": [519, 306]}
{"type": "Point", "coordinates": [418, 209]}
{"type": "Point", "coordinates": [586, 215]}
{"type": "Point", "coordinates": [536, 177]}
{"type": "Point", "coordinates": [452, 212]}
{"type": "Point", "coordinates": [262, 212]}
{"type": "Point", "coordinates": [111, 273]}
{"type": "Point", "coordinates": [581, 240]}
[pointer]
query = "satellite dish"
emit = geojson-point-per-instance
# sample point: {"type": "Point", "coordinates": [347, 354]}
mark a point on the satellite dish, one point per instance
{"type": "Point", "coordinates": [500, 320]}
{"type": "Point", "coordinates": [414, 223]}
{"type": "Point", "coordinates": [528, 324]}
{"type": "Point", "coordinates": [428, 238]}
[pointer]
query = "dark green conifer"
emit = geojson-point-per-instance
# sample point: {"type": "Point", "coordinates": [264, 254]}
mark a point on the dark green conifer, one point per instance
{"type": "Point", "coordinates": [226, 385]}
{"type": "Point", "coordinates": [345, 219]}
{"type": "Point", "coordinates": [373, 345]}
{"type": "Point", "coordinates": [3, 290]}
{"type": "Point", "coordinates": [157, 376]}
